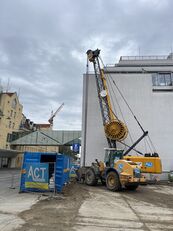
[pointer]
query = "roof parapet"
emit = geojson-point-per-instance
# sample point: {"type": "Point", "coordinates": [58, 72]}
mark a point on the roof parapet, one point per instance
{"type": "Point", "coordinates": [148, 57]}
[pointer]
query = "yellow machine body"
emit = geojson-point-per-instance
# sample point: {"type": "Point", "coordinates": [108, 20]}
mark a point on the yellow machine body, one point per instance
{"type": "Point", "coordinates": [147, 164]}
{"type": "Point", "coordinates": [129, 172]}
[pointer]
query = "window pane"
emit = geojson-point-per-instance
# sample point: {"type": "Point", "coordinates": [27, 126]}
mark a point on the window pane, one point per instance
{"type": "Point", "coordinates": [14, 103]}
{"type": "Point", "coordinates": [171, 79]}
{"type": "Point", "coordinates": [154, 79]}
{"type": "Point", "coordinates": [168, 79]}
{"type": "Point", "coordinates": [161, 79]}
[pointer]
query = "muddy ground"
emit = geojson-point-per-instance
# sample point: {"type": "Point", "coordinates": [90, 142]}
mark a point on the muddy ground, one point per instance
{"type": "Point", "coordinates": [55, 212]}
{"type": "Point", "coordinates": [67, 211]}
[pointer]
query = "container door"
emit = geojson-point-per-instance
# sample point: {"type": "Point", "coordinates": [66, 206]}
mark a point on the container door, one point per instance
{"type": "Point", "coordinates": [29, 157]}
{"type": "Point", "coordinates": [62, 171]}
{"type": "Point", "coordinates": [59, 172]}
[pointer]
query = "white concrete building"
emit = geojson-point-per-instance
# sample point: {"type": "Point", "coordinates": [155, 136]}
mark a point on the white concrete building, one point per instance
{"type": "Point", "coordinates": [146, 82]}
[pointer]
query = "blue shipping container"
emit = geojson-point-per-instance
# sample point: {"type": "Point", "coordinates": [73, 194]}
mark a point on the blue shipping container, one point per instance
{"type": "Point", "coordinates": [38, 168]}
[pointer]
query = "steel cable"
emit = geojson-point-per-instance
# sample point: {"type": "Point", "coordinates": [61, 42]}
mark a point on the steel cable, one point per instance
{"type": "Point", "coordinates": [130, 109]}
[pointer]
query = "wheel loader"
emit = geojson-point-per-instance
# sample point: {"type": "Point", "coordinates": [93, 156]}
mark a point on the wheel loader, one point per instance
{"type": "Point", "coordinates": [117, 172]}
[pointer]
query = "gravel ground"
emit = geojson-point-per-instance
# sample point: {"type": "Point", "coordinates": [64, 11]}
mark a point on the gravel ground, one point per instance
{"type": "Point", "coordinates": [11, 202]}
{"type": "Point", "coordinates": [55, 213]}
{"type": "Point", "coordinates": [85, 208]}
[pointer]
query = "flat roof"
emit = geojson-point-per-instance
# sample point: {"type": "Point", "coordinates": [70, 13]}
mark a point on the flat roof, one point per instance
{"type": "Point", "coordinates": [49, 138]}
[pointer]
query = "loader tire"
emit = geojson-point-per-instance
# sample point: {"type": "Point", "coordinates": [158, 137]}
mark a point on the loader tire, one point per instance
{"type": "Point", "coordinates": [113, 182]}
{"type": "Point", "coordinates": [132, 187]}
{"type": "Point", "coordinates": [90, 177]}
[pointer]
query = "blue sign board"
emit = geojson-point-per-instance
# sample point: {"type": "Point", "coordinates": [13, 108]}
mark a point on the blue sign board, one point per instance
{"type": "Point", "coordinates": [73, 169]}
{"type": "Point", "coordinates": [76, 147]}
{"type": "Point", "coordinates": [120, 167]}
{"type": "Point", "coordinates": [149, 164]}
{"type": "Point", "coordinates": [37, 175]}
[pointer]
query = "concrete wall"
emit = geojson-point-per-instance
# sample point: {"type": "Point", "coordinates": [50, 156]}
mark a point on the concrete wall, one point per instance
{"type": "Point", "coordinates": [93, 138]}
{"type": "Point", "coordinates": [153, 109]}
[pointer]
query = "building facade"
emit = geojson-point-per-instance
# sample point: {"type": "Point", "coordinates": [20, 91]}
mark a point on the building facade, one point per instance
{"type": "Point", "coordinates": [10, 117]}
{"type": "Point", "coordinates": [44, 127]}
{"type": "Point", "coordinates": [146, 83]}
{"type": "Point", "coordinates": [19, 134]}
{"type": "Point", "coordinates": [10, 120]}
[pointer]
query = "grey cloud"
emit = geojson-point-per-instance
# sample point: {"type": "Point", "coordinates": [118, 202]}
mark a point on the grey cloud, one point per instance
{"type": "Point", "coordinates": [43, 45]}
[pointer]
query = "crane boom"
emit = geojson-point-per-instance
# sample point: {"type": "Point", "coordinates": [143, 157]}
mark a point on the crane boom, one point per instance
{"type": "Point", "coordinates": [115, 130]}
{"type": "Point", "coordinates": [54, 114]}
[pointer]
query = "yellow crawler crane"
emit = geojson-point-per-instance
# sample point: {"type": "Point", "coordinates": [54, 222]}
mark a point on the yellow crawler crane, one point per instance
{"type": "Point", "coordinates": [118, 169]}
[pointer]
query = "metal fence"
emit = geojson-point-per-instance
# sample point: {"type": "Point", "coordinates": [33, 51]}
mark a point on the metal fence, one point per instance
{"type": "Point", "coordinates": [149, 57]}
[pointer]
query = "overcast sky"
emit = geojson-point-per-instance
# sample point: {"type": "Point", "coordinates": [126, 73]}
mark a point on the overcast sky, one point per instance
{"type": "Point", "coordinates": [43, 46]}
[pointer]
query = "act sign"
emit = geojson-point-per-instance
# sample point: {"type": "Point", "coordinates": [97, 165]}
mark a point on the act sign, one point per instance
{"type": "Point", "coordinates": [37, 175]}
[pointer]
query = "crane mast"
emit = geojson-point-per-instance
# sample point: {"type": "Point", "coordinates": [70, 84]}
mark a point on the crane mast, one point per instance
{"type": "Point", "coordinates": [115, 130]}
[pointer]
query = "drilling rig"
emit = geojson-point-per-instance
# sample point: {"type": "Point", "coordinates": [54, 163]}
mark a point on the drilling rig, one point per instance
{"type": "Point", "coordinates": [118, 170]}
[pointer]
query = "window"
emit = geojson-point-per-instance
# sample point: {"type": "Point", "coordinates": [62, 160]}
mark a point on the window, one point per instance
{"type": "Point", "coordinates": [1, 113]}
{"type": "Point", "coordinates": [9, 137]}
{"type": "Point", "coordinates": [14, 103]}
{"type": "Point", "coordinates": [9, 124]}
{"type": "Point", "coordinates": [11, 113]}
{"type": "Point", "coordinates": [162, 79]}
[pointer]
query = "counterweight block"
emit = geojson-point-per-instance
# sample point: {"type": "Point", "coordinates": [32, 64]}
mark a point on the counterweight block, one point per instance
{"type": "Point", "coordinates": [116, 130]}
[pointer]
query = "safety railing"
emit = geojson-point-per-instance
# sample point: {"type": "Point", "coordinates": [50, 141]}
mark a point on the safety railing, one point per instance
{"type": "Point", "coordinates": [150, 57]}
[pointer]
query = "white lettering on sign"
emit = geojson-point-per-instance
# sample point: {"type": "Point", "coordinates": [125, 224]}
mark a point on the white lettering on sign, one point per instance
{"type": "Point", "coordinates": [43, 171]}
{"type": "Point", "coordinates": [37, 174]}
